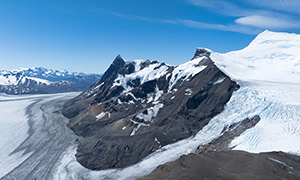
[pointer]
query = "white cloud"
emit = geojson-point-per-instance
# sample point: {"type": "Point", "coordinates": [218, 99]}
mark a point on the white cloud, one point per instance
{"type": "Point", "coordinates": [259, 14]}
{"type": "Point", "coordinates": [251, 20]}
{"type": "Point", "coordinates": [292, 6]}
{"type": "Point", "coordinates": [230, 27]}
{"type": "Point", "coordinates": [225, 7]}
{"type": "Point", "coordinates": [195, 24]}
{"type": "Point", "coordinates": [265, 22]}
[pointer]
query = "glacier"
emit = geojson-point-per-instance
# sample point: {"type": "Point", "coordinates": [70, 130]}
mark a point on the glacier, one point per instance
{"type": "Point", "coordinates": [269, 72]}
{"type": "Point", "coordinates": [33, 135]}
{"type": "Point", "coordinates": [13, 131]}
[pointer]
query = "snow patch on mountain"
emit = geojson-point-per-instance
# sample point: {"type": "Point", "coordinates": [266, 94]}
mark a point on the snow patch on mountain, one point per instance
{"type": "Point", "coordinates": [188, 92]}
{"type": "Point", "coordinates": [154, 97]}
{"type": "Point", "coordinates": [151, 72]}
{"type": "Point", "coordinates": [219, 81]}
{"type": "Point", "coordinates": [186, 70]}
{"type": "Point", "coordinates": [102, 115]}
{"type": "Point", "coordinates": [150, 113]}
{"type": "Point", "coordinates": [7, 79]}
{"type": "Point", "coordinates": [39, 81]}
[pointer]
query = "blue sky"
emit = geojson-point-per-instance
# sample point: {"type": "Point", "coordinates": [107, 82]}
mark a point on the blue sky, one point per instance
{"type": "Point", "coordinates": [86, 35]}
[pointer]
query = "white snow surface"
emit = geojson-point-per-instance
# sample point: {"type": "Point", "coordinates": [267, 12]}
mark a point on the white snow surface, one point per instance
{"type": "Point", "coordinates": [270, 56]}
{"type": "Point", "coordinates": [269, 71]}
{"type": "Point", "coordinates": [157, 70]}
{"type": "Point", "coordinates": [185, 71]}
{"type": "Point", "coordinates": [188, 92]}
{"type": "Point", "coordinates": [219, 81]}
{"type": "Point", "coordinates": [13, 131]}
{"type": "Point", "coordinates": [151, 113]}
{"type": "Point", "coordinates": [13, 80]}
{"type": "Point", "coordinates": [154, 97]}
{"type": "Point", "coordinates": [102, 115]}
{"type": "Point", "coordinates": [8, 80]}
{"type": "Point", "coordinates": [278, 106]}
{"type": "Point", "coordinates": [40, 81]}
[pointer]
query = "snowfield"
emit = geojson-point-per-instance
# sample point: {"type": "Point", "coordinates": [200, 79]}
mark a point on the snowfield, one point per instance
{"type": "Point", "coordinates": [13, 131]}
{"type": "Point", "coordinates": [270, 56]}
{"type": "Point", "coordinates": [269, 72]}
{"type": "Point", "coordinates": [278, 105]}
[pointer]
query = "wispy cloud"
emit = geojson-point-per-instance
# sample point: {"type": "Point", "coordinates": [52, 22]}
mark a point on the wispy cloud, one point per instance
{"type": "Point", "coordinates": [251, 17]}
{"type": "Point", "coordinates": [133, 17]}
{"type": "Point", "coordinates": [265, 22]}
{"type": "Point", "coordinates": [260, 14]}
{"type": "Point", "coordinates": [202, 25]}
{"type": "Point", "coordinates": [225, 7]}
{"type": "Point", "coordinates": [290, 6]}
{"type": "Point", "coordinates": [194, 24]}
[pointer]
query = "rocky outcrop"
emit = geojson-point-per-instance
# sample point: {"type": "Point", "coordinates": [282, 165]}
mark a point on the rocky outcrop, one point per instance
{"type": "Point", "coordinates": [222, 143]}
{"type": "Point", "coordinates": [216, 160]}
{"type": "Point", "coordinates": [230, 165]}
{"type": "Point", "coordinates": [138, 107]}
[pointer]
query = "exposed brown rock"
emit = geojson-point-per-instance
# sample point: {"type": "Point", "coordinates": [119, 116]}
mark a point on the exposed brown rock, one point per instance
{"type": "Point", "coordinates": [230, 165]}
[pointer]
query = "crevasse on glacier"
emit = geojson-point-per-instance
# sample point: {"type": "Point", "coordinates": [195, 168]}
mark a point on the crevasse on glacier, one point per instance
{"type": "Point", "coordinates": [269, 74]}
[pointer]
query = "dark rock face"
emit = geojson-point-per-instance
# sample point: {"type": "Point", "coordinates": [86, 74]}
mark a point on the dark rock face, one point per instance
{"type": "Point", "coordinates": [200, 53]}
{"type": "Point", "coordinates": [230, 165]}
{"type": "Point", "coordinates": [138, 107]}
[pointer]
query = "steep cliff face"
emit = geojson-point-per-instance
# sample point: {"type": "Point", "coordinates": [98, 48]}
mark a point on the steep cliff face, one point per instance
{"type": "Point", "coordinates": [140, 106]}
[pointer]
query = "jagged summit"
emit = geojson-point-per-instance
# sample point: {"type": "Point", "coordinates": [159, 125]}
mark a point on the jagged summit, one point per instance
{"type": "Point", "coordinates": [119, 61]}
{"type": "Point", "coordinates": [200, 52]}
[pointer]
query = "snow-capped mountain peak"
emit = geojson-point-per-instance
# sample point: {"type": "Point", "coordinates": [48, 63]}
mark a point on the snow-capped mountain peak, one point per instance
{"type": "Point", "coordinates": [43, 80]}
{"type": "Point", "coordinates": [271, 56]}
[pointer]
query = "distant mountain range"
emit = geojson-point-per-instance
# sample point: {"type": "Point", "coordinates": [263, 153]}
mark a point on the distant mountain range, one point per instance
{"type": "Point", "coordinates": [39, 80]}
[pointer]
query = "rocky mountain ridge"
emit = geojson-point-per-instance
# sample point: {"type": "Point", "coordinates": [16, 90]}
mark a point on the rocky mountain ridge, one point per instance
{"type": "Point", "coordinates": [138, 107]}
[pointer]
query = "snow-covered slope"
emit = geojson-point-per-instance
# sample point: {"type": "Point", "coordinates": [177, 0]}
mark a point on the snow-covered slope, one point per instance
{"type": "Point", "coordinates": [270, 56]}
{"type": "Point", "coordinates": [42, 80]}
{"type": "Point", "coordinates": [268, 71]}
